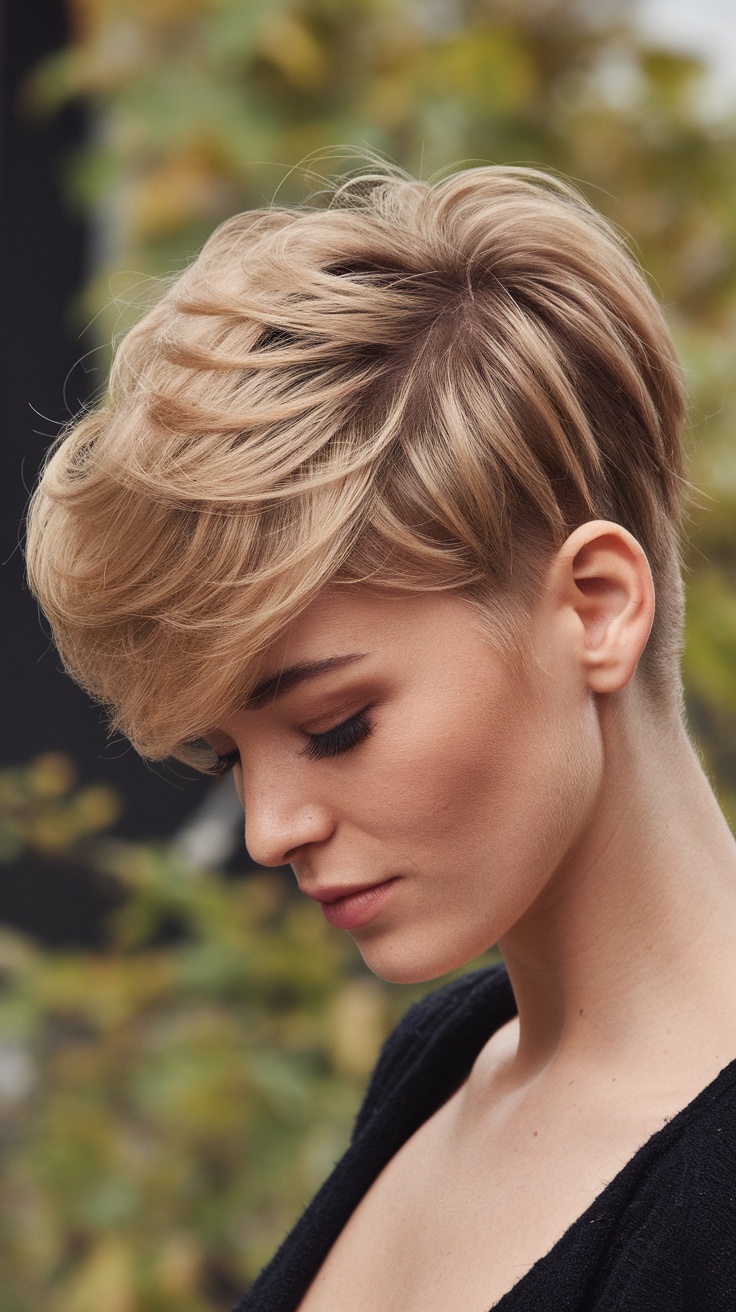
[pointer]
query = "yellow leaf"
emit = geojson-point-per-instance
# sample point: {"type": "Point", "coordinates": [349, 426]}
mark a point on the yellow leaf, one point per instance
{"type": "Point", "coordinates": [104, 1280]}
{"type": "Point", "coordinates": [179, 189]}
{"type": "Point", "coordinates": [89, 17]}
{"type": "Point", "coordinates": [179, 1265]}
{"type": "Point", "coordinates": [51, 831]}
{"type": "Point", "coordinates": [52, 775]}
{"type": "Point", "coordinates": [292, 48]}
{"type": "Point", "coordinates": [95, 807]}
{"type": "Point", "coordinates": [356, 1027]}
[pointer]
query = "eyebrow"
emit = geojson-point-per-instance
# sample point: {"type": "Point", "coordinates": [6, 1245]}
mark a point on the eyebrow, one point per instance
{"type": "Point", "coordinates": [278, 684]}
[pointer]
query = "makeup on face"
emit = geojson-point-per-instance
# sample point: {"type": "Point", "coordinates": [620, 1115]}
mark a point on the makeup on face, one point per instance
{"type": "Point", "coordinates": [413, 778]}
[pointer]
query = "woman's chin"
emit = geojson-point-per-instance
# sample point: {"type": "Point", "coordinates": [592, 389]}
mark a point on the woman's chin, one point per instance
{"type": "Point", "coordinates": [402, 965]}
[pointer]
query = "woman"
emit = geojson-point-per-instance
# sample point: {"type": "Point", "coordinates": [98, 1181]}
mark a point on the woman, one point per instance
{"type": "Point", "coordinates": [382, 513]}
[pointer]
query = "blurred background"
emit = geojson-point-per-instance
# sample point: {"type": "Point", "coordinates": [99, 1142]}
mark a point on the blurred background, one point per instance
{"type": "Point", "coordinates": [183, 1044]}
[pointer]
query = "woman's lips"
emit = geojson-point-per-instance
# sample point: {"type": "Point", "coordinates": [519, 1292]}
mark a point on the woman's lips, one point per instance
{"type": "Point", "coordinates": [357, 909]}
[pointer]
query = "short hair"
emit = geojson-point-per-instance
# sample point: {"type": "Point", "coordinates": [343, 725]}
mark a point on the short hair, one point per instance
{"type": "Point", "coordinates": [414, 386]}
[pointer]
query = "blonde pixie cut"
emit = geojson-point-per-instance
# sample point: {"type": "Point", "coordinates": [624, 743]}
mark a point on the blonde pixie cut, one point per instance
{"type": "Point", "coordinates": [413, 387]}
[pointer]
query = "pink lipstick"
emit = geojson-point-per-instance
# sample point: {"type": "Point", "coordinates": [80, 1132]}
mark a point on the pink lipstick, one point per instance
{"type": "Point", "coordinates": [356, 909]}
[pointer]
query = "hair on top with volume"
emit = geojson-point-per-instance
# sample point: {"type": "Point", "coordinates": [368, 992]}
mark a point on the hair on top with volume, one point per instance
{"type": "Point", "coordinates": [415, 386]}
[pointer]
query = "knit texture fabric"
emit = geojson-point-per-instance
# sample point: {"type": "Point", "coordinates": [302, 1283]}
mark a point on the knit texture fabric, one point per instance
{"type": "Point", "coordinates": [660, 1237]}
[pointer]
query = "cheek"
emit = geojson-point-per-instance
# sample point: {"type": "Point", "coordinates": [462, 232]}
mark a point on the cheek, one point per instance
{"type": "Point", "coordinates": [498, 789]}
{"type": "Point", "coordinates": [480, 814]}
{"type": "Point", "coordinates": [438, 763]}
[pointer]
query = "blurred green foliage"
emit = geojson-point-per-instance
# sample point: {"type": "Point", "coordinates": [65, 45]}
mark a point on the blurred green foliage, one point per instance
{"type": "Point", "coordinates": [170, 1103]}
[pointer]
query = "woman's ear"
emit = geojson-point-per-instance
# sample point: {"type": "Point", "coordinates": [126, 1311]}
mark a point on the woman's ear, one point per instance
{"type": "Point", "coordinates": [602, 573]}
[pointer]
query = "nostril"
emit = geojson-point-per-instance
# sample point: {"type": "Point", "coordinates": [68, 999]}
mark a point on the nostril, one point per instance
{"type": "Point", "coordinates": [277, 836]}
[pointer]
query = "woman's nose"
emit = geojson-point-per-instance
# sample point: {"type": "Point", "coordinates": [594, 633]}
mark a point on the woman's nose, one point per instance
{"type": "Point", "coordinates": [279, 823]}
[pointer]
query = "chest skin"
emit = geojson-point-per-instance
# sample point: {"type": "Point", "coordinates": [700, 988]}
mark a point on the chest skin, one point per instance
{"type": "Point", "coordinates": [479, 1194]}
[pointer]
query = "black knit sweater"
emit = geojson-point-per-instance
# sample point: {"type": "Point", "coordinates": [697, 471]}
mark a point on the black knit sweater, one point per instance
{"type": "Point", "coordinates": [661, 1237]}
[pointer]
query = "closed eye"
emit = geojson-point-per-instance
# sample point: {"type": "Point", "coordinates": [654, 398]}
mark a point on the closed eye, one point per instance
{"type": "Point", "coordinates": [224, 763]}
{"type": "Point", "coordinates": [342, 738]}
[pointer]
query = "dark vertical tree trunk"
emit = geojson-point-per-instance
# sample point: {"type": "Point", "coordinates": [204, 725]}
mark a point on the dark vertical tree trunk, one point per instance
{"type": "Point", "coordinates": [44, 380]}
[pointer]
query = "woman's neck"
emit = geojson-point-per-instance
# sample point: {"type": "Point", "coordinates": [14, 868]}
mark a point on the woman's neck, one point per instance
{"type": "Point", "coordinates": [634, 938]}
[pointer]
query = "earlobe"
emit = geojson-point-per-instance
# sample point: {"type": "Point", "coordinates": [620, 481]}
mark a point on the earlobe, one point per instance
{"type": "Point", "coordinates": [606, 579]}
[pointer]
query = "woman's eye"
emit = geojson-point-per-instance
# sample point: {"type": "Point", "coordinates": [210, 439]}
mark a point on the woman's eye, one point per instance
{"type": "Point", "coordinates": [333, 742]}
{"type": "Point", "coordinates": [339, 739]}
{"type": "Point", "coordinates": [224, 764]}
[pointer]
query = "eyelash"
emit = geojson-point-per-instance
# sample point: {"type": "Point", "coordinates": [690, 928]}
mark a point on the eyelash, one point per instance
{"type": "Point", "coordinates": [224, 764]}
{"type": "Point", "coordinates": [341, 738]}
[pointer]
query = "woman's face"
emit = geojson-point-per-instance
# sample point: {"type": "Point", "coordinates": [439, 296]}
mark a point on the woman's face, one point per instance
{"type": "Point", "coordinates": [415, 756]}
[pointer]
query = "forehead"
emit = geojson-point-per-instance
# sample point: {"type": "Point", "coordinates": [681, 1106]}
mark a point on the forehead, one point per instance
{"type": "Point", "coordinates": [423, 637]}
{"type": "Point", "coordinates": [433, 646]}
{"type": "Point", "coordinates": [359, 619]}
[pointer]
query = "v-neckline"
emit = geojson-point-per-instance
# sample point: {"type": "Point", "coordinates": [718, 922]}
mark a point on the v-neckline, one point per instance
{"type": "Point", "coordinates": [659, 1140]}
{"type": "Point", "coordinates": [435, 1059]}
{"type": "Point", "coordinates": [492, 980]}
